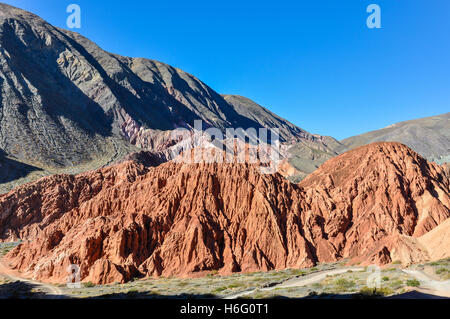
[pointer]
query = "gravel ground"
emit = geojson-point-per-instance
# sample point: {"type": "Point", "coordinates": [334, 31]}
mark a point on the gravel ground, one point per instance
{"type": "Point", "coordinates": [323, 281]}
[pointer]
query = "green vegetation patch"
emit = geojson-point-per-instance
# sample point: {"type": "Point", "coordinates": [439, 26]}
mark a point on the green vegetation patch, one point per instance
{"type": "Point", "coordinates": [413, 283]}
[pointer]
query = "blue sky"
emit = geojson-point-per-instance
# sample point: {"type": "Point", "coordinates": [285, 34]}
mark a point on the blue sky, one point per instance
{"type": "Point", "coordinates": [312, 62]}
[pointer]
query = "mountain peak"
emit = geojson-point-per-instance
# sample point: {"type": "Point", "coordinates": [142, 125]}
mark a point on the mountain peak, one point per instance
{"type": "Point", "coordinates": [94, 106]}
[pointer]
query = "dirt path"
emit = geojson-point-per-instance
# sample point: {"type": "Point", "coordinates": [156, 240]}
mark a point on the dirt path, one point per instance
{"type": "Point", "coordinates": [298, 281]}
{"type": "Point", "coordinates": [429, 285]}
{"type": "Point", "coordinates": [52, 291]}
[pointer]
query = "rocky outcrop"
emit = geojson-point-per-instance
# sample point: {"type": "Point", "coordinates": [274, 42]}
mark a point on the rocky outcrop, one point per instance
{"type": "Point", "coordinates": [174, 220]}
{"type": "Point", "coordinates": [408, 250]}
{"type": "Point", "coordinates": [30, 208]}
{"type": "Point", "coordinates": [379, 192]}
{"type": "Point", "coordinates": [446, 168]}
{"type": "Point", "coordinates": [383, 178]}
{"type": "Point", "coordinates": [430, 137]}
{"type": "Point", "coordinates": [437, 241]}
{"type": "Point", "coordinates": [187, 219]}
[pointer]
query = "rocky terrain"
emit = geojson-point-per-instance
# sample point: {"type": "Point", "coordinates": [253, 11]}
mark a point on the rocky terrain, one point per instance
{"type": "Point", "coordinates": [178, 219]}
{"type": "Point", "coordinates": [67, 106]}
{"type": "Point", "coordinates": [384, 184]}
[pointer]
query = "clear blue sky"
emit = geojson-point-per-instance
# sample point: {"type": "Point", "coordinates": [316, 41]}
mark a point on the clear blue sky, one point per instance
{"type": "Point", "coordinates": [312, 62]}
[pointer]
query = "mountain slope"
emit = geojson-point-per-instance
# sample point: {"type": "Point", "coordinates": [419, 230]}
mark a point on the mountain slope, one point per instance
{"type": "Point", "coordinates": [430, 137]}
{"type": "Point", "coordinates": [66, 103]}
{"type": "Point", "coordinates": [264, 117]}
{"type": "Point", "coordinates": [187, 219]}
{"type": "Point", "coordinates": [305, 157]}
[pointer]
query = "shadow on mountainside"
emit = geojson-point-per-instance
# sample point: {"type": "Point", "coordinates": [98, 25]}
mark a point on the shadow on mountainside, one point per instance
{"type": "Point", "coordinates": [416, 295]}
{"type": "Point", "coordinates": [150, 295]}
{"type": "Point", "coordinates": [149, 108]}
{"type": "Point", "coordinates": [60, 96]}
{"type": "Point", "coordinates": [11, 170]}
{"type": "Point", "coordinates": [22, 290]}
{"type": "Point", "coordinates": [407, 295]}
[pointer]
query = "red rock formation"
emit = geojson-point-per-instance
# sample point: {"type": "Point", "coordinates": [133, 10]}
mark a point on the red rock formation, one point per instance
{"type": "Point", "coordinates": [186, 219]}
{"type": "Point", "coordinates": [447, 168]}
{"type": "Point", "coordinates": [374, 191]}
{"type": "Point", "coordinates": [287, 170]}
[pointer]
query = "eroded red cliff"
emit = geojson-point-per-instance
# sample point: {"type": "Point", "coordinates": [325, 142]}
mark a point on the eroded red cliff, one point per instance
{"type": "Point", "coordinates": [185, 219]}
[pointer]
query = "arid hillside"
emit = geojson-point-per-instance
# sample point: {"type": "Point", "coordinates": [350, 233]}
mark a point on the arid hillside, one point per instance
{"type": "Point", "coordinates": [128, 221]}
{"type": "Point", "coordinates": [430, 137]}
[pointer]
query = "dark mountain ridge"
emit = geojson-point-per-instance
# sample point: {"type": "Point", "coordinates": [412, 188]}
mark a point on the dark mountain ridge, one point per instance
{"type": "Point", "coordinates": [66, 103]}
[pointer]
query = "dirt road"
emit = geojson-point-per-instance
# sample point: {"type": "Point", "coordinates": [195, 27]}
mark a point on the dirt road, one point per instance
{"type": "Point", "coordinates": [429, 285]}
{"type": "Point", "coordinates": [52, 291]}
{"type": "Point", "coordinates": [298, 281]}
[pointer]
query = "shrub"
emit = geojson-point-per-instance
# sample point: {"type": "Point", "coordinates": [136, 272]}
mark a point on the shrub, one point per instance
{"type": "Point", "coordinates": [397, 284]}
{"type": "Point", "coordinates": [344, 283]}
{"type": "Point", "coordinates": [441, 271]}
{"type": "Point", "coordinates": [298, 272]}
{"type": "Point", "coordinates": [6, 250]}
{"type": "Point", "coordinates": [434, 263]}
{"type": "Point", "coordinates": [220, 289]}
{"type": "Point", "coordinates": [375, 292]}
{"type": "Point", "coordinates": [317, 285]}
{"type": "Point", "coordinates": [234, 285]}
{"type": "Point", "coordinates": [413, 283]}
{"type": "Point", "coordinates": [212, 273]}
{"type": "Point", "coordinates": [385, 278]}
{"type": "Point", "coordinates": [88, 284]}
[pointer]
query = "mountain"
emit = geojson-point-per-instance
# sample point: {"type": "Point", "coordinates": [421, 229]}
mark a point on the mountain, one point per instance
{"type": "Point", "coordinates": [177, 219]}
{"type": "Point", "coordinates": [376, 194]}
{"type": "Point", "coordinates": [264, 117]}
{"type": "Point", "coordinates": [430, 137]}
{"type": "Point", "coordinates": [68, 106]}
{"type": "Point", "coordinates": [305, 157]}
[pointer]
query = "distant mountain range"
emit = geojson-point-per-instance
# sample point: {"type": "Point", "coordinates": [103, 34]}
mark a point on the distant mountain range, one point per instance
{"type": "Point", "coordinates": [430, 137]}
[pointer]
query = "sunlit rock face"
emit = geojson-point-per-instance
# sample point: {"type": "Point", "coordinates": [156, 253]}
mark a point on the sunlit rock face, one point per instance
{"type": "Point", "coordinates": [184, 220]}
